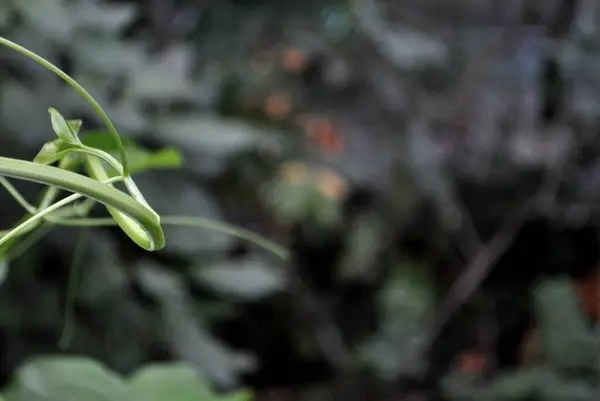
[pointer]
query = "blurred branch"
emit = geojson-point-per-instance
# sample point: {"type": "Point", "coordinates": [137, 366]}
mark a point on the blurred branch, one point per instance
{"type": "Point", "coordinates": [475, 272]}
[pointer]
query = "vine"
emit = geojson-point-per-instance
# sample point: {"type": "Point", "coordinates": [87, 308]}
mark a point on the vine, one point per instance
{"type": "Point", "coordinates": [130, 211]}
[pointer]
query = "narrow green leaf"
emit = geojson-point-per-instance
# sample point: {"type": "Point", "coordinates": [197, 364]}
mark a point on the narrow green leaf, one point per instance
{"type": "Point", "coordinates": [51, 152]}
{"type": "Point", "coordinates": [61, 127]}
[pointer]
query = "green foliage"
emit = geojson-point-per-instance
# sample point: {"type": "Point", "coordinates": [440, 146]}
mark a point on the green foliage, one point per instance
{"type": "Point", "coordinates": [569, 349]}
{"type": "Point", "coordinates": [82, 379]}
{"type": "Point", "coordinates": [405, 302]}
{"type": "Point", "coordinates": [122, 158]}
{"type": "Point", "coordinates": [302, 193]}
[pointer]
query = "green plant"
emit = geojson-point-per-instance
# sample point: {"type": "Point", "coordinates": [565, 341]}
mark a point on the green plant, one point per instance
{"type": "Point", "coordinates": [77, 378]}
{"type": "Point", "coordinates": [131, 212]}
{"type": "Point", "coordinates": [57, 166]}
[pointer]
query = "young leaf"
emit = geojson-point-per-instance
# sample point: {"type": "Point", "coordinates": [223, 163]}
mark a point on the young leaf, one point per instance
{"type": "Point", "coordinates": [61, 127]}
{"type": "Point", "coordinates": [66, 378]}
{"type": "Point", "coordinates": [51, 152]}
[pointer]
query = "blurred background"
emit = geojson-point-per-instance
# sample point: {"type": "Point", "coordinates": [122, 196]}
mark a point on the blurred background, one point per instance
{"type": "Point", "coordinates": [433, 168]}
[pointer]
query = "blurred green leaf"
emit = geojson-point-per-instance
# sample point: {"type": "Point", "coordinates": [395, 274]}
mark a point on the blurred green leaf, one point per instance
{"type": "Point", "coordinates": [209, 134]}
{"type": "Point", "coordinates": [108, 58]}
{"type": "Point", "coordinates": [405, 301]}
{"type": "Point", "coordinates": [5, 15]}
{"type": "Point", "coordinates": [176, 382]}
{"type": "Point", "coordinates": [167, 77]}
{"type": "Point", "coordinates": [294, 202]}
{"type": "Point", "coordinates": [139, 159]}
{"type": "Point", "coordinates": [66, 378]}
{"type": "Point", "coordinates": [82, 379]}
{"type": "Point", "coordinates": [50, 17]}
{"type": "Point", "coordinates": [184, 331]}
{"type": "Point", "coordinates": [247, 279]}
{"type": "Point", "coordinates": [566, 338]}
{"type": "Point", "coordinates": [32, 130]}
{"type": "Point", "coordinates": [106, 17]}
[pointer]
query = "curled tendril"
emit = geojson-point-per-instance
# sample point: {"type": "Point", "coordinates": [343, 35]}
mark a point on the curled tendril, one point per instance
{"type": "Point", "coordinates": [132, 213]}
{"type": "Point", "coordinates": [141, 223]}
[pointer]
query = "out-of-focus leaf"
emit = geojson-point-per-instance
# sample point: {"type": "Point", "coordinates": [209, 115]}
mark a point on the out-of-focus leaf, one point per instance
{"type": "Point", "coordinates": [35, 127]}
{"type": "Point", "coordinates": [70, 395]}
{"type": "Point", "coordinates": [209, 134]}
{"type": "Point", "coordinates": [139, 159]}
{"type": "Point", "coordinates": [167, 77]}
{"type": "Point", "coordinates": [246, 279]}
{"type": "Point", "coordinates": [405, 300]}
{"type": "Point", "coordinates": [108, 58]}
{"type": "Point", "coordinates": [67, 378]}
{"type": "Point", "coordinates": [175, 381]}
{"type": "Point", "coordinates": [365, 240]}
{"type": "Point", "coordinates": [555, 387]}
{"type": "Point", "coordinates": [245, 395]}
{"type": "Point", "coordinates": [50, 17]}
{"type": "Point", "coordinates": [183, 330]}
{"type": "Point", "coordinates": [191, 342]}
{"type": "Point", "coordinates": [293, 202]}
{"type": "Point", "coordinates": [103, 277]}
{"type": "Point", "coordinates": [5, 14]}
{"type": "Point", "coordinates": [565, 336]}
{"type": "Point", "coordinates": [102, 16]}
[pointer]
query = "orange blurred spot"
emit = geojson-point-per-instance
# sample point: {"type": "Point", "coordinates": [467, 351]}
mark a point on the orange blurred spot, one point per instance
{"type": "Point", "coordinates": [472, 362]}
{"type": "Point", "coordinates": [294, 172]}
{"type": "Point", "coordinates": [325, 135]}
{"type": "Point", "coordinates": [278, 105]}
{"type": "Point", "coordinates": [294, 60]}
{"type": "Point", "coordinates": [589, 294]}
{"type": "Point", "coordinates": [331, 185]}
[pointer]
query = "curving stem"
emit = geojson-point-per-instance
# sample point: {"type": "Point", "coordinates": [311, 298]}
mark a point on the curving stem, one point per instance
{"type": "Point", "coordinates": [140, 222]}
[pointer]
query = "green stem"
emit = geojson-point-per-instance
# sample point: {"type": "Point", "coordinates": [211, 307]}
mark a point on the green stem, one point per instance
{"type": "Point", "coordinates": [36, 218]}
{"type": "Point", "coordinates": [45, 63]}
{"type": "Point", "coordinates": [186, 221]}
{"type": "Point", "coordinates": [22, 246]}
{"type": "Point", "coordinates": [69, 326]}
{"type": "Point", "coordinates": [140, 222]}
{"type": "Point", "coordinates": [17, 196]}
